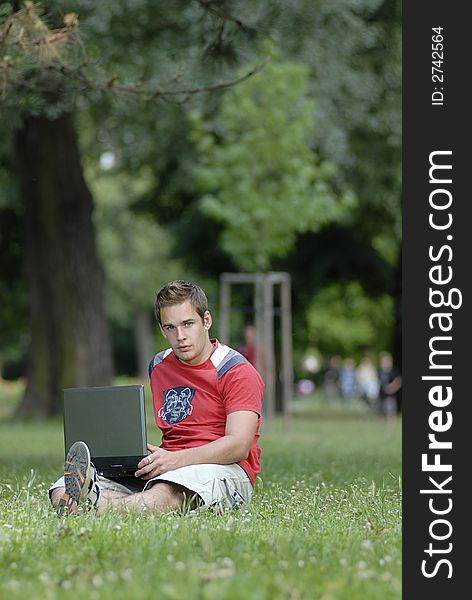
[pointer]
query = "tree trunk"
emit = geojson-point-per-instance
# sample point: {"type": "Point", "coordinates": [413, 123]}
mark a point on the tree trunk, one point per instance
{"type": "Point", "coordinates": [144, 341]}
{"type": "Point", "coordinates": [69, 335]}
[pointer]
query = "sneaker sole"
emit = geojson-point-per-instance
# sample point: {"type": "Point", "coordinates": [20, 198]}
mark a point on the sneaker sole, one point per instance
{"type": "Point", "coordinates": [77, 477]}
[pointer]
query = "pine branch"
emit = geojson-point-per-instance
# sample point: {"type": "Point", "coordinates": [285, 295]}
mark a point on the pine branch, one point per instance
{"type": "Point", "coordinates": [179, 96]}
{"type": "Point", "coordinates": [211, 7]}
{"type": "Point", "coordinates": [25, 39]}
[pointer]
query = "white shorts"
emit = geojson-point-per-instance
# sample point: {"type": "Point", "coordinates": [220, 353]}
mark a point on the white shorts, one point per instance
{"type": "Point", "coordinates": [222, 487]}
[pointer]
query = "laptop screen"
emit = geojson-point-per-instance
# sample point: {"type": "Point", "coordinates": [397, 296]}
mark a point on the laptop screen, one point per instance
{"type": "Point", "coordinates": [110, 420]}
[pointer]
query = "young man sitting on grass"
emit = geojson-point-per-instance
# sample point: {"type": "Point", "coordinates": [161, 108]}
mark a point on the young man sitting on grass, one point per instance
{"type": "Point", "coordinates": [207, 403]}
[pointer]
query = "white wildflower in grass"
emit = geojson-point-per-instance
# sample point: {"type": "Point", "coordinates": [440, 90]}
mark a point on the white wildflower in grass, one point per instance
{"type": "Point", "coordinates": [13, 585]}
{"type": "Point", "coordinates": [365, 574]}
{"type": "Point", "coordinates": [127, 574]}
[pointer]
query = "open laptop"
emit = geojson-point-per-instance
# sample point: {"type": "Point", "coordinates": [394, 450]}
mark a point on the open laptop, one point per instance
{"type": "Point", "coordinates": [112, 422]}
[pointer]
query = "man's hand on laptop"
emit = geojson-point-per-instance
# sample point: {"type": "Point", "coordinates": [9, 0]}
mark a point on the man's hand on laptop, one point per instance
{"type": "Point", "coordinates": [157, 462]}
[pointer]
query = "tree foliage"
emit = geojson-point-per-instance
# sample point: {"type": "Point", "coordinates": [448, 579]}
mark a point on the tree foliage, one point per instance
{"type": "Point", "coordinates": [38, 61]}
{"type": "Point", "coordinates": [342, 318]}
{"type": "Point", "coordinates": [47, 62]}
{"type": "Point", "coordinates": [274, 189]}
{"type": "Point", "coordinates": [62, 56]}
{"type": "Point", "coordinates": [262, 180]}
{"type": "Point", "coordinates": [135, 251]}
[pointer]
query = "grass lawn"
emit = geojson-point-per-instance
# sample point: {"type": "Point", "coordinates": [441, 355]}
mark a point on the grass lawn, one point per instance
{"type": "Point", "coordinates": [324, 524]}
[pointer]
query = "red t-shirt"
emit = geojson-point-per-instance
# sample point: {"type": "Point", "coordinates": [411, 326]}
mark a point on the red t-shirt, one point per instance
{"type": "Point", "coordinates": [191, 403]}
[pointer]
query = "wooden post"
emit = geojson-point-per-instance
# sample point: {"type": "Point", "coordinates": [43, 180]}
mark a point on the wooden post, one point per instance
{"type": "Point", "coordinates": [259, 324]}
{"type": "Point", "coordinates": [264, 323]}
{"type": "Point", "coordinates": [287, 355]}
{"type": "Point", "coordinates": [269, 395]}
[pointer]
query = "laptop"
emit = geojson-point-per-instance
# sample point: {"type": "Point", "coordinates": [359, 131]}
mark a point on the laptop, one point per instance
{"type": "Point", "coordinates": [111, 420]}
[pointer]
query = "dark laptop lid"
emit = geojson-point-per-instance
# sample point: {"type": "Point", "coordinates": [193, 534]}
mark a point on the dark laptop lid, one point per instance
{"type": "Point", "coordinates": [111, 421]}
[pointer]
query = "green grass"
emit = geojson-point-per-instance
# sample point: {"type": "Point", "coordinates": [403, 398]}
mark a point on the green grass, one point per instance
{"type": "Point", "coordinates": [324, 524]}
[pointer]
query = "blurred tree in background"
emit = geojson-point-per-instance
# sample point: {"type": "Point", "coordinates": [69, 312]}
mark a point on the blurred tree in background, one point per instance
{"type": "Point", "coordinates": [343, 316]}
{"type": "Point", "coordinates": [46, 69]}
{"type": "Point", "coordinates": [262, 181]}
{"type": "Point", "coordinates": [124, 80]}
{"type": "Point", "coordinates": [137, 256]}
{"type": "Point", "coordinates": [353, 53]}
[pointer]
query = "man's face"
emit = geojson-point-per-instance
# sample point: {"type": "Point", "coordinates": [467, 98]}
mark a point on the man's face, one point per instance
{"type": "Point", "coordinates": [186, 333]}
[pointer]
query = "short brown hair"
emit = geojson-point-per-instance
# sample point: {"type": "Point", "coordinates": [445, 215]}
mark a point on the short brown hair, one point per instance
{"type": "Point", "coordinates": [176, 292]}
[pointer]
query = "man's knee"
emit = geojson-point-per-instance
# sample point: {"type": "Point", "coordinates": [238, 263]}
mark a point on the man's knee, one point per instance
{"type": "Point", "coordinates": [55, 495]}
{"type": "Point", "coordinates": [164, 495]}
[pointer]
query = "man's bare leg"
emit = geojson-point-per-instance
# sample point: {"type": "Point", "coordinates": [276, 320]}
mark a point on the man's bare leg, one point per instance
{"type": "Point", "coordinates": [57, 493]}
{"type": "Point", "coordinates": [161, 497]}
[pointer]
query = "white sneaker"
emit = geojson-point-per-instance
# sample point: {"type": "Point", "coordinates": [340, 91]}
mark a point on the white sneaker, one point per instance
{"type": "Point", "coordinates": [81, 485]}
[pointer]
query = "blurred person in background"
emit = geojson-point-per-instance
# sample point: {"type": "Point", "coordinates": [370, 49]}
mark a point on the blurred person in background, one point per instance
{"type": "Point", "coordinates": [348, 382]}
{"type": "Point", "coordinates": [367, 382]}
{"type": "Point", "coordinates": [248, 345]}
{"type": "Point", "coordinates": [390, 383]}
{"type": "Point", "coordinates": [331, 385]}
{"type": "Point", "coordinates": [248, 348]}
